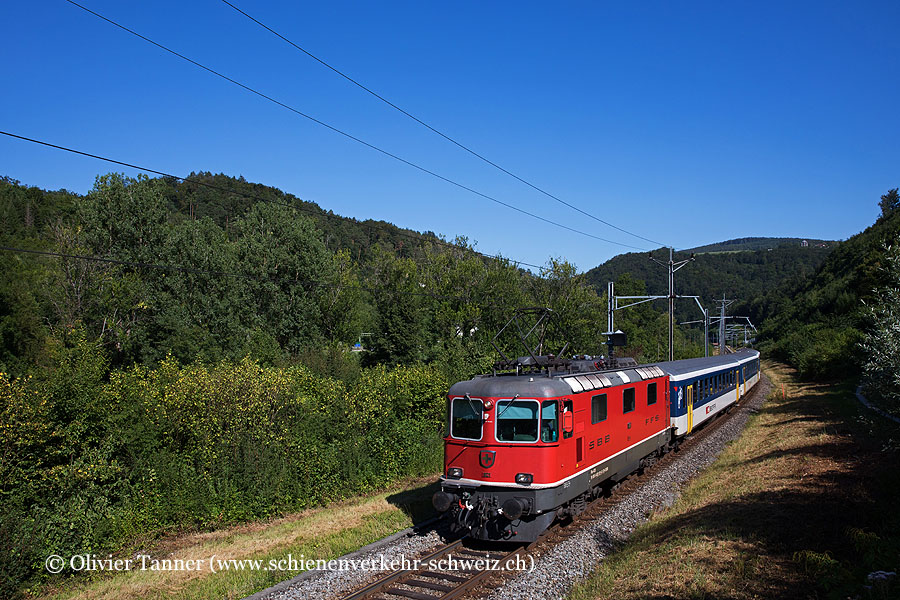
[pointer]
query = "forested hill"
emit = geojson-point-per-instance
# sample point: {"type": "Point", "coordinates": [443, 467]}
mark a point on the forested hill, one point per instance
{"type": "Point", "coordinates": [224, 199]}
{"type": "Point", "coordinates": [818, 323]}
{"type": "Point", "coordinates": [201, 194]}
{"type": "Point", "coordinates": [757, 243]}
{"type": "Point", "coordinates": [743, 275]}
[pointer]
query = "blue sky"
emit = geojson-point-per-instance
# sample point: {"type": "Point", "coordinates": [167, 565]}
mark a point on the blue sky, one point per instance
{"type": "Point", "coordinates": [685, 122]}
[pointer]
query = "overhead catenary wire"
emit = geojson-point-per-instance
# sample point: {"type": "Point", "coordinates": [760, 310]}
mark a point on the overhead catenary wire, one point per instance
{"type": "Point", "coordinates": [438, 132]}
{"type": "Point", "coordinates": [351, 136]}
{"type": "Point", "coordinates": [206, 184]}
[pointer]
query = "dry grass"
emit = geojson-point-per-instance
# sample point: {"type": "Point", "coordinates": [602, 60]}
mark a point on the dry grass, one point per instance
{"type": "Point", "coordinates": [319, 533]}
{"type": "Point", "coordinates": [793, 509]}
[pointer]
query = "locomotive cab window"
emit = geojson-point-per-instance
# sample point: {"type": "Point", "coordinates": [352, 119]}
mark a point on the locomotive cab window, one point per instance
{"type": "Point", "coordinates": [598, 408]}
{"type": "Point", "coordinates": [465, 418]}
{"type": "Point", "coordinates": [517, 421]}
{"type": "Point", "coordinates": [651, 393]}
{"type": "Point", "coordinates": [549, 421]}
{"type": "Point", "coordinates": [628, 400]}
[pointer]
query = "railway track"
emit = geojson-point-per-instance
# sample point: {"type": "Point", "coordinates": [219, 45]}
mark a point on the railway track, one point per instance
{"type": "Point", "coordinates": [435, 577]}
{"type": "Point", "coordinates": [431, 577]}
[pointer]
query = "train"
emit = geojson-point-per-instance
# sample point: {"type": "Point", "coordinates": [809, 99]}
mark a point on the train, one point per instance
{"type": "Point", "coordinates": [527, 447]}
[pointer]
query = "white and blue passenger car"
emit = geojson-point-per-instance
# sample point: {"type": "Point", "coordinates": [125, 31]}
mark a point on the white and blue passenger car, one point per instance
{"type": "Point", "coordinates": [700, 388]}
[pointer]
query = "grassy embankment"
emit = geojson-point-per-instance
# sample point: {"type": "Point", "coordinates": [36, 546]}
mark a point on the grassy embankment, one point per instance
{"type": "Point", "coordinates": [803, 505]}
{"type": "Point", "coordinates": [323, 533]}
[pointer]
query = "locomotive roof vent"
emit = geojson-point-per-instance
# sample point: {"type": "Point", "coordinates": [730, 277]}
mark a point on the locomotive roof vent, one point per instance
{"type": "Point", "coordinates": [626, 362]}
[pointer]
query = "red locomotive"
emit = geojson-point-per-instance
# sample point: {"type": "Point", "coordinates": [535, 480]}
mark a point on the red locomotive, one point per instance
{"type": "Point", "coordinates": [525, 448]}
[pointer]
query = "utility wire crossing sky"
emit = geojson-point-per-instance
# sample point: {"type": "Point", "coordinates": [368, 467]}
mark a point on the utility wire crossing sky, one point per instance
{"type": "Point", "coordinates": [688, 124]}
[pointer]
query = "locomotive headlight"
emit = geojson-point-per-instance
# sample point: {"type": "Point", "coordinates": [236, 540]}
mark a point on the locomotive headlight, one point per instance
{"type": "Point", "coordinates": [524, 478]}
{"type": "Point", "coordinates": [454, 472]}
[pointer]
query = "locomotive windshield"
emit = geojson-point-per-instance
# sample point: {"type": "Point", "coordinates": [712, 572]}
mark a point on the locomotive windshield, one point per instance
{"type": "Point", "coordinates": [517, 421]}
{"type": "Point", "coordinates": [465, 418]}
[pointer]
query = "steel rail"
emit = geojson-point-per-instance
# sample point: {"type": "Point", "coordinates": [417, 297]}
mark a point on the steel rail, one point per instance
{"type": "Point", "coordinates": [449, 585]}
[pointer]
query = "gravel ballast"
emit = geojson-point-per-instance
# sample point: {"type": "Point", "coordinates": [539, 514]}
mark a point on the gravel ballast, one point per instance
{"type": "Point", "coordinates": [312, 585]}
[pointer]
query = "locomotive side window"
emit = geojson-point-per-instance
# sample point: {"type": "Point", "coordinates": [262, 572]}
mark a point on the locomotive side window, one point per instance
{"type": "Point", "coordinates": [549, 421]}
{"type": "Point", "coordinates": [465, 418]}
{"type": "Point", "coordinates": [517, 421]}
{"type": "Point", "coordinates": [598, 408]}
{"type": "Point", "coordinates": [628, 400]}
{"type": "Point", "coordinates": [651, 393]}
{"type": "Point", "coordinates": [568, 419]}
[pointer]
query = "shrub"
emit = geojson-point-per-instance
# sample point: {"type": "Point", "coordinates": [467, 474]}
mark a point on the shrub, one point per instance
{"type": "Point", "coordinates": [92, 463]}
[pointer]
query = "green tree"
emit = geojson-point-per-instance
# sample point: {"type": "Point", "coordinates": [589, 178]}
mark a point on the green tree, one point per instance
{"type": "Point", "coordinates": [889, 202]}
{"type": "Point", "coordinates": [287, 268]}
{"type": "Point", "coordinates": [399, 299]}
{"type": "Point", "coordinates": [469, 299]}
{"type": "Point", "coordinates": [125, 218]}
{"type": "Point", "coordinates": [881, 345]}
{"type": "Point", "coordinates": [342, 303]}
{"type": "Point", "coordinates": [199, 311]}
